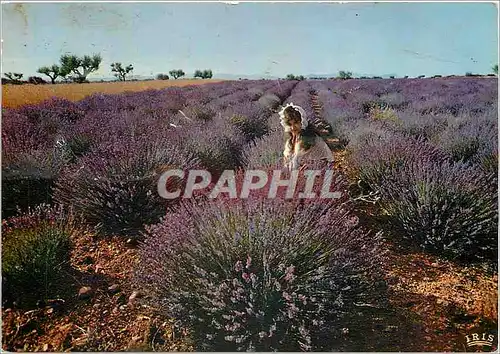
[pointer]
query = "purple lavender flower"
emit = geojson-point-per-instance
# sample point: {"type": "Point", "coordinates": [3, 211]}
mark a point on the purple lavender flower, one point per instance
{"type": "Point", "coordinates": [238, 267]}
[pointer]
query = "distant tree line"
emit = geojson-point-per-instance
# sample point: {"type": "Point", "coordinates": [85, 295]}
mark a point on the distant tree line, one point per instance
{"type": "Point", "coordinates": [16, 79]}
{"type": "Point", "coordinates": [177, 73]}
{"type": "Point", "coordinates": [162, 77]}
{"type": "Point", "coordinates": [344, 75]}
{"type": "Point", "coordinates": [202, 74]}
{"type": "Point", "coordinates": [73, 68]}
{"type": "Point", "coordinates": [13, 78]}
{"type": "Point", "coordinates": [293, 77]}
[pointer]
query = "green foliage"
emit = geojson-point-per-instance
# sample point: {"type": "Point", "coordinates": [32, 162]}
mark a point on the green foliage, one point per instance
{"type": "Point", "coordinates": [162, 77]}
{"type": "Point", "coordinates": [22, 192]}
{"type": "Point", "coordinates": [80, 67]}
{"type": "Point", "coordinates": [53, 72]}
{"type": "Point", "coordinates": [495, 69]}
{"type": "Point", "coordinates": [177, 73]}
{"type": "Point", "coordinates": [14, 78]}
{"type": "Point", "coordinates": [120, 72]}
{"type": "Point", "coordinates": [293, 77]}
{"type": "Point", "coordinates": [344, 75]}
{"type": "Point", "coordinates": [35, 254]}
{"type": "Point", "coordinates": [205, 74]}
{"type": "Point", "coordinates": [36, 80]}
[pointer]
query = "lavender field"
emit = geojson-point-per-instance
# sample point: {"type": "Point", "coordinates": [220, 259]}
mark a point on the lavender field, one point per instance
{"type": "Point", "coordinates": [416, 162]}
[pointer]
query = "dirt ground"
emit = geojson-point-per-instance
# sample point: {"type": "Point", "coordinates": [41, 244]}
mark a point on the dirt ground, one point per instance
{"type": "Point", "coordinates": [435, 303]}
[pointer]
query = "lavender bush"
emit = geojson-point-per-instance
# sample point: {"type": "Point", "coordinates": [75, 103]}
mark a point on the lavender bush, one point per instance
{"type": "Point", "coordinates": [55, 109]}
{"type": "Point", "coordinates": [28, 180]}
{"type": "Point", "coordinates": [35, 253]}
{"type": "Point", "coordinates": [218, 146]}
{"type": "Point", "coordinates": [486, 158]}
{"type": "Point", "coordinates": [394, 100]}
{"type": "Point", "coordinates": [427, 126]}
{"type": "Point", "coordinates": [374, 157]}
{"type": "Point", "coordinates": [269, 101]}
{"type": "Point", "coordinates": [266, 152]}
{"type": "Point", "coordinates": [30, 133]}
{"type": "Point", "coordinates": [442, 207]}
{"type": "Point", "coordinates": [250, 128]}
{"type": "Point", "coordinates": [200, 112]}
{"type": "Point", "coordinates": [256, 93]}
{"type": "Point", "coordinates": [31, 154]}
{"type": "Point", "coordinates": [468, 136]}
{"type": "Point", "coordinates": [261, 276]}
{"type": "Point", "coordinates": [445, 208]}
{"type": "Point", "coordinates": [116, 188]}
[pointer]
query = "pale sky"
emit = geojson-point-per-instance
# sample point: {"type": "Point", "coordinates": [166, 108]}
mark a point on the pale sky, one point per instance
{"type": "Point", "coordinates": [256, 38]}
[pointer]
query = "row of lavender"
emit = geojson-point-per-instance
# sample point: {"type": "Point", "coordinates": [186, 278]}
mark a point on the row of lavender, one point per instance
{"type": "Point", "coordinates": [267, 152]}
{"type": "Point", "coordinates": [102, 157]}
{"type": "Point", "coordinates": [268, 274]}
{"type": "Point", "coordinates": [456, 115]}
{"type": "Point", "coordinates": [425, 151]}
{"type": "Point", "coordinates": [263, 274]}
{"type": "Point", "coordinates": [428, 150]}
{"type": "Point", "coordinates": [42, 143]}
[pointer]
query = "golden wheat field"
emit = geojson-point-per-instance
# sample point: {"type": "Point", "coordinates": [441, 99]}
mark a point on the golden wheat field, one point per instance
{"type": "Point", "coordinates": [18, 95]}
